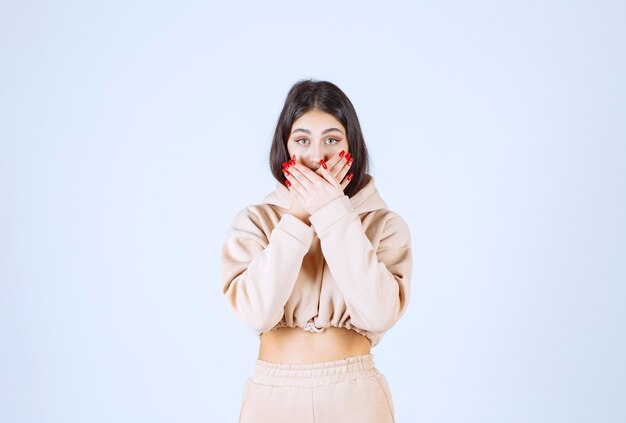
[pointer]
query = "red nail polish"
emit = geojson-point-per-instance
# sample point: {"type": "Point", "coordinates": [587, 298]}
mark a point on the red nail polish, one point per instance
{"type": "Point", "coordinates": [347, 156]}
{"type": "Point", "coordinates": [341, 153]}
{"type": "Point", "coordinates": [288, 183]}
{"type": "Point", "coordinates": [350, 176]}
{"type": "Point", "coordinates": [323, 164]}
{"type": "Point", "coordinates": [293, 160]}
{"type": "Point", "coordinates": [285, 165]}
{"type": "Point", "coordinates": [349, 161]}
{"type": "Point", "coordinates": [286, 172]}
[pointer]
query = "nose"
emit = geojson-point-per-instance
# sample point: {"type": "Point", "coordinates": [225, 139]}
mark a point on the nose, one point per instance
{"type": "Point", "coordinates": [317, 154]}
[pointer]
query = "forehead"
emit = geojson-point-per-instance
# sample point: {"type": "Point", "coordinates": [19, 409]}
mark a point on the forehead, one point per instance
{"type": "Point", "coordinates": [315, 119]}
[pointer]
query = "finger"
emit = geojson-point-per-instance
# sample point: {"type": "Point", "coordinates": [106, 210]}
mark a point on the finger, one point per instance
{"type": "Point", "coordinates": [288, 177]}
{"type": "Point", "coordinates": [305, 175]}
{"type": "Point", "coordinates": [346, 181]}
{"type": "Point", "coordinates": [294, 181]}
{"type": "Point", "coordinates": [324, 165]}
{"type": "Point", "coordinates": [337, 168]}
{"type": "Point", "coordinates": [343, 157]}
{"type": "Point", "coordinates": [345, 169]}
{"type": "Point", "coordinates": [296, 174]}
{"type": "Point", "coordinates": [329, 177]}
{"type": "Point", "coordinates": [336, 163]}
{"type": "Point", "coordinates": [295, 195]}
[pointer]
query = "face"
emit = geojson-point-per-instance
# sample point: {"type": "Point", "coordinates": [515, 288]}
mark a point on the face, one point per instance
{"type": "Point", "coordinates": [316, 136]}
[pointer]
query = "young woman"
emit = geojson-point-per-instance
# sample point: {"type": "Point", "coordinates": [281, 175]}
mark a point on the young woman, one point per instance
{"type": "Point", "coordinates": [320, 270]}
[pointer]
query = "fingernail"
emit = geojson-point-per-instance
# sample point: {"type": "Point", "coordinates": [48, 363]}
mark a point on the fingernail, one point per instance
{"type": "Point", "coordinates": [347, 156]}
{"type": "Point", "coordinates": [349, 176]}
{"type": "Point", "coordinates": [323, 164]}
{"type": "Point", "coordinates": [341, 153]}
{"type": "Point", "coordinates": [288, 183]}
{"type": "Point", "coordinates": [285, 165]}
{"type": "Point", "coordinates": [286, 172]}
{"type": "Point", "coordinates": [293, 160]}
{"type": "Point", "coordinates": [349, 161]}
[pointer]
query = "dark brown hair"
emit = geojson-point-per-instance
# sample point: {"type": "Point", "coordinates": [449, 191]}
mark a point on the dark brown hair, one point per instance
{"type": "Point", "coordinates": [307, 95]}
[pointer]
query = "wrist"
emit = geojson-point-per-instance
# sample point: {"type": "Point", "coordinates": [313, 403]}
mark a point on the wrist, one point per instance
{"type": "Point", "coordinates": [301, 216]}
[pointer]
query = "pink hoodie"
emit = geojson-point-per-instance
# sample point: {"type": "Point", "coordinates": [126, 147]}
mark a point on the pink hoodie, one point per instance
{"type": "Point", "coordinates": [351, 268]}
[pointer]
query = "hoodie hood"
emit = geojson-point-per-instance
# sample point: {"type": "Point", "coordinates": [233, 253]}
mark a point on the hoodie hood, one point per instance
{"type": "Point", "coordinates": [366, 200]}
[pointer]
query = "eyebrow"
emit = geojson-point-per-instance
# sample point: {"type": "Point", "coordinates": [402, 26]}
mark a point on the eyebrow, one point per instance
{"type": "Point", "coordinates": [325, 131]}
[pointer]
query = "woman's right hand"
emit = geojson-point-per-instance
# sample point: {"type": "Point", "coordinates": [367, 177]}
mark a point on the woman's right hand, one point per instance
{"type": "Point", "coordinates": [296, 208]}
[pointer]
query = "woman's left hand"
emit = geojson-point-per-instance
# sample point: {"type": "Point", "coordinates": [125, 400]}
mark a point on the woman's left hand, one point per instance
{"type": "Point", "coordinates": [339, 166]}
{"type": "Point", "coordinates": [313, 189]}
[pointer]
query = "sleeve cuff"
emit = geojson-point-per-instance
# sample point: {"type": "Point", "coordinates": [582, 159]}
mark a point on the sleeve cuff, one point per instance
{"type": "Point", "coordinates": [296, 228]}
{"type": "Point", "coordinates": [330, 213]}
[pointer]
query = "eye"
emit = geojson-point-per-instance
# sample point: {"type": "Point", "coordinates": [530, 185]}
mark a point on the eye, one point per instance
{"type": "Point", "coordinates": [301, 139]}
{"type": "Point", "coordinates": [333, 139]}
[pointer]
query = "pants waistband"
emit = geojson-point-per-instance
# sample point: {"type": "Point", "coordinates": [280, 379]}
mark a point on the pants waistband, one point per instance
{"type": "Point", "coordinates": [314, 374]}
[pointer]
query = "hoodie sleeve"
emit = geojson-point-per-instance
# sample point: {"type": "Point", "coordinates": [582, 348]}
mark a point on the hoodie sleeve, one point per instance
{"type": "Point", "coordinates": [374, 282]}
{"type": "Point", "coordinates": [258, 274]}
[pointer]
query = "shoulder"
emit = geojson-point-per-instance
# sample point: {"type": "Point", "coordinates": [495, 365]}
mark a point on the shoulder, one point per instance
{"type": "Point", "coordinates": [394, 222]}
{"type": "Point", "coordinates": [393, 228]}
{"type": "Point", "coordinates": [260, 216]}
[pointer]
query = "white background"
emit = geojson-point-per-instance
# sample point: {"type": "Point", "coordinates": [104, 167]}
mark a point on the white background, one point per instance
{"type": "Point", "coordinates": [132, 132]}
